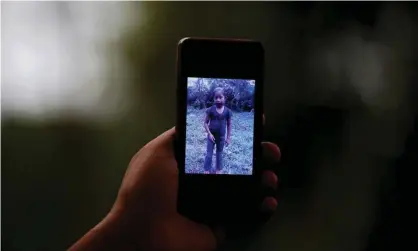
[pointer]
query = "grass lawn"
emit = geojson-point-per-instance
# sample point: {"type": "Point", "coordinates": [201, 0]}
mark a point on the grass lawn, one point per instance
{"type": "Point", "coordinates": [237, 156]}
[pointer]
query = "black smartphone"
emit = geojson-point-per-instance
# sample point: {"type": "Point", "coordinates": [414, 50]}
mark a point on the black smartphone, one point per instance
{"type": "Point", "coordinates": [219, 128]}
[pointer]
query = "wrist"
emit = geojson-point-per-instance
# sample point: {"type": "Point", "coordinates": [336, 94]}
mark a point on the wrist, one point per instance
{"type": "Point", "coordinates": [128, 233]}
{"type": "Point", "coordinates": [128, 230]}
{"type": "Point", "coordinates": [124, 232]}
{"type": "Point", "coordinates": [112, 228]}
{"type": "Point", "coordinates": [107, 235]}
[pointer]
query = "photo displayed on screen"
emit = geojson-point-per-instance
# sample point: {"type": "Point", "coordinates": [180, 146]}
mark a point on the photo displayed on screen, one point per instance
{"type": "Point", "coordinates": [219, 126]}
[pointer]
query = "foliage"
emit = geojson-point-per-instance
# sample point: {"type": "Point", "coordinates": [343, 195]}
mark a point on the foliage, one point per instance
{"type": "Point", "coordinates": [239, 93]}
{"type": "Point", "coordinates": [237, 156]}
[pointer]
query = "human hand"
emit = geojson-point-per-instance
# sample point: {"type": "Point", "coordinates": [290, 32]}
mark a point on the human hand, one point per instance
{"type": "Point", "coordinates": [211, 137]}
{"type": "Point", "coordinates": [228, 141]}
{"type": "Point", "coordinates": [145, 217]}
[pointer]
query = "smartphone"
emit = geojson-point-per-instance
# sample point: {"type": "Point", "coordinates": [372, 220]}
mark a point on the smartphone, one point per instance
{"type": "Point", "coordinates": [219, 128]}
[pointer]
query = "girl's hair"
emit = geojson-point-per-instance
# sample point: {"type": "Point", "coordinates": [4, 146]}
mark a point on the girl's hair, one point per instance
{"type": "Point", "coordinates": [218, 90]}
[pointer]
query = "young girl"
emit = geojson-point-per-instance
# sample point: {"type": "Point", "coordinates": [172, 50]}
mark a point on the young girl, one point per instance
{"type": "Point", "coordinates": [218, 117]}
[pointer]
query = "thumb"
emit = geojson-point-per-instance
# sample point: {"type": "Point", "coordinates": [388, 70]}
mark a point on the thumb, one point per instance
{"type": "Point", "coordinates": [154, 168]}
{"type": "Point", "coordinates": [197, 236]}
{"type": "Point", "coordinates": [160, 147]}
{"type": "Point", "coordinates": [163, 145]}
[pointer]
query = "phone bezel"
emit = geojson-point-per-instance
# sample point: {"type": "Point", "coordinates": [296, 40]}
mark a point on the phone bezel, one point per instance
{"type": "Point", "coordinates": [219, 58]}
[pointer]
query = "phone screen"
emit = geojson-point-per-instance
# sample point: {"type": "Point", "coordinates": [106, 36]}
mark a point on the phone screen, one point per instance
{"type": "Point", "coordinates": [219, 126]}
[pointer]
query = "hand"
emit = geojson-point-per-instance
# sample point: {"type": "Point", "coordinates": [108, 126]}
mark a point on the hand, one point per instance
{"type": "Point", "coordinates": [211, 137]}
{"type": "Point", "coordinates": [144, 216]}
{"type": "Point", "coordinates": [228, 141]}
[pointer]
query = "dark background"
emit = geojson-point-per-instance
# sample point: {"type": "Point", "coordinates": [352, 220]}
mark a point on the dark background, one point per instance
{"type": "Point", "coordinates": [340, 101]}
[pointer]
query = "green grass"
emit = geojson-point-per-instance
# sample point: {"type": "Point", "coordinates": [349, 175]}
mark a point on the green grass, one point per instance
{"type": "Point", "coordinates": [237, 156]}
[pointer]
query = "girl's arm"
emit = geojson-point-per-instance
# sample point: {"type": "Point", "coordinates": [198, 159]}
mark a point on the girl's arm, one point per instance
{"type": "Point", "coordinates": [206, 123]}
{"type": "Point", "coordinates": [228, 129]}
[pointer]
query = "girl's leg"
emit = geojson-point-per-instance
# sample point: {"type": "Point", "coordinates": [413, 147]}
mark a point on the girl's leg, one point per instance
{"type": "Point", "coordinates": [220, 143]}
{"type": "Point", "coordinates": [209, 154]}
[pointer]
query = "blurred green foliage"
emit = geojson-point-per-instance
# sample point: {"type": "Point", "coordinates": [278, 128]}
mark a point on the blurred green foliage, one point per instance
{"type": "Point", "coordinates": [61, 176]}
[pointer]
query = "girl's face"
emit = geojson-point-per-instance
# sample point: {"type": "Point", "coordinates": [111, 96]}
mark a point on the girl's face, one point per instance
{"type": "Point", "coordinates": [219, 99]}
